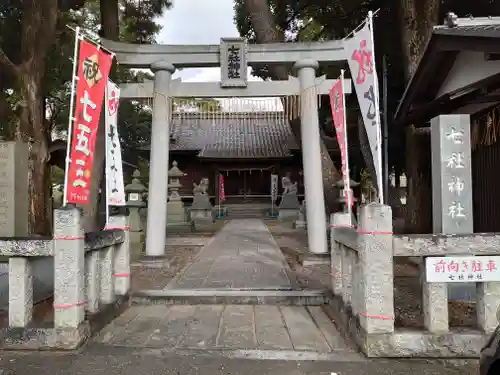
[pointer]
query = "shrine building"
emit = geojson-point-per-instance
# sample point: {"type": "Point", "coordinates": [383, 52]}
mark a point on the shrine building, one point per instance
{"type": "Point", "coordinates": [246, 148]}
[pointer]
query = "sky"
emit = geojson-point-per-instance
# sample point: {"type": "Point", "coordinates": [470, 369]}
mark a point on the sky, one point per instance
{"type": "Point", "coordinates": [198, 22]}
{"type": "Point", "coordinates": [202, 22]}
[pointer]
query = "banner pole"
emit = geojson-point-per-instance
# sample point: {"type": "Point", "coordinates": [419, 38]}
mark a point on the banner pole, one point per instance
{"type": "Point", "coordinates": [347, 182]}
{"type": "Point", "coordinates": [385, 141]}
{"type": "Point", "coordinates": [220, 202]}
{"type": "Point", "coordinates": [377, 115]}
{"type": "Point", "coordinates": [106, 150]}
{"type": "Point", "coordinates": [71, 119]}
{"type": "Point", "coordinates": [272, 196]}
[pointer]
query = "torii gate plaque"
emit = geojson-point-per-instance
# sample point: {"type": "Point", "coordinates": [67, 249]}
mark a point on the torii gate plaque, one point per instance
{"type": "Point", "coordinates": [233, 62]}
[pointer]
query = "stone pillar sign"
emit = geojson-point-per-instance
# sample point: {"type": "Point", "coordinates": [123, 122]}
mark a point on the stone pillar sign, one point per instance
{"type": "Point", "coordinates": [451, 174]}
{"type": "Point", "coordinates": [451, 205]}
{"type": "Point", "coordinates": [14, 193]}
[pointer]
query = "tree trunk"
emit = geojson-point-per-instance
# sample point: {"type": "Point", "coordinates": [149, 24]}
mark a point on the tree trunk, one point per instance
{"type": "Point", "coordinates": [419, 186]}
{"type": "Point", "coordinates": [38, 33]}
{"type": "Point", "coordinates": [266, 32]}
{"type": "Point", "coordinates": [93, 221]}
{"type": "Point", "coordinates": [110, 20]}
{"type": "Point", "coordinates": [417, 19]}
{"type": "Point", "coordinates": [40, 186]}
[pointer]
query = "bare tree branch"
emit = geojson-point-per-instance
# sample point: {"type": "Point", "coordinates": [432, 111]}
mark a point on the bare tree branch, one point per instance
{"type": "Point", "coordinates": [7, 63]}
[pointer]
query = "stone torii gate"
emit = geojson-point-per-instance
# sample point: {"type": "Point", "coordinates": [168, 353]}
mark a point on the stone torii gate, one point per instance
{"type": "Point", "coordinates": [233, 55]}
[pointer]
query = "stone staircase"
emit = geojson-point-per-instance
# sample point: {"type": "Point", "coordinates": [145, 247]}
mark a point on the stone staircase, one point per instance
{"type": "Point", "coordinates": [238, 298]}
{"type": "Point", "coordinates": [249, 210]}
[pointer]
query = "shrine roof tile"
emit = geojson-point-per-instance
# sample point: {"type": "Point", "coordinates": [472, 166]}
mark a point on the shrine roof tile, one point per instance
{"type": "Point", "coordinates": [477, 29]}
{"type": "Point", "coordinates": [233, 138]}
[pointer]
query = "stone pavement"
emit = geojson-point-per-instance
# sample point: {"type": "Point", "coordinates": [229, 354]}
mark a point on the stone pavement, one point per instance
{"type": "Point", "coordinates": [94, 360]}
{"type": "Point", "coordinates": [236, 328]}
{"type": "Point", "coordinates": [242, 256]}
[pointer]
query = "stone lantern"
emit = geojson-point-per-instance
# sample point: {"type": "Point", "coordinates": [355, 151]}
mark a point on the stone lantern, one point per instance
{"type": "Point", "coordinates": [176, 215]}
{"type": "Point", "coordinates": [135, 202]}
{"type": "Point", "coordinates": [135, 191]}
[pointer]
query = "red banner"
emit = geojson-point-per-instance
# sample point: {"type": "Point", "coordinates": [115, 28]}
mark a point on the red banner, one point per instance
{"type": "Point", "coordinates": [337, 105]}
{"type": "Point", "coordinates": [222, 192]}
{"type": "Point", "coordinates": [338, 116]}
{"type": "Point", "coordinates": [93, 70]}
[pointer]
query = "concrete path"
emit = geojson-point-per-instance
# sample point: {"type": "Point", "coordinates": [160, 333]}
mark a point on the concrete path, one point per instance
{"type": "Point", "coordinates": [283, 330]}
{"type": "Point", "coordinates": [242, 256]}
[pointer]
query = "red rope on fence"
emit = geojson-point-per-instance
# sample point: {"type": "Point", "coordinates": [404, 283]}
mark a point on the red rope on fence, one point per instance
{"type": "Point", "coordinates": [337, 276]}
{"type": "Point", "coordinates": [69, 237]}
{"type": "Point", "coordinates": [379, 317]}
{"type": "Point", "coordinates": [60, 307]}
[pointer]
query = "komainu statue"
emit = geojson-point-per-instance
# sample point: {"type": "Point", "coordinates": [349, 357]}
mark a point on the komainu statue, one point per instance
{"type": "Point", "coordinates": [201, 188]}
{"type": "Point", "coordinates": [289, 187]}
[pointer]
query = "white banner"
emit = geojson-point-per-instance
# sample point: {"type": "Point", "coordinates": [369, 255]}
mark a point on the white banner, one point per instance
{"type": "Point", "coordinates": [274, 187]}
{"type": "Point", "coordinates": [114, 171]}
{"type": "Point", "coordinates": [361, 58]}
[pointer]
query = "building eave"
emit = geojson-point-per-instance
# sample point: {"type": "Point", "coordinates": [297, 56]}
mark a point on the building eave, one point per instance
{"type": "Point", "coordinates": [419, 102]}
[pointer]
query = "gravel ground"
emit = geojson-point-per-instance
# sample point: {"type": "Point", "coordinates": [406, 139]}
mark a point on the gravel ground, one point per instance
{"type": "Point", "coordinates": [407, 291]}
{"type": "Point", "coordinates": [180, 256]}
{"type": "Point", "coordinates": [144, 277]}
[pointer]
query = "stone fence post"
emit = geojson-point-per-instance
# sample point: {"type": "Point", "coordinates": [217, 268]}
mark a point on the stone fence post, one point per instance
{"type": "Point", "coordinates": [376, 294]}
{"type": "Point", "coordinates": [337, 220]}
{"type": "Point", "coordinates": [69, 267]}
{"type": "Point", "coordinates": [121, 271]}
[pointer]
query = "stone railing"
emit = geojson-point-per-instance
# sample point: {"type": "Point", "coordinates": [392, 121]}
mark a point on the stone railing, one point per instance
{"type": "Point", "coordinates": [362, 262]}
{"type": "Point", "coordinates": [91, 282]}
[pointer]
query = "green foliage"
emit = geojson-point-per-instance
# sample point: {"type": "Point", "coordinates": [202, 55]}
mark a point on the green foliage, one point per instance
{"type": "Point", "coordinates": [137, 25]}
{"type": "Point", "coordinates": [137, 22]}
{"type": "Point", "coordinates": [317, 20]}
{"type": "Point", "coordinates": [57, 176]}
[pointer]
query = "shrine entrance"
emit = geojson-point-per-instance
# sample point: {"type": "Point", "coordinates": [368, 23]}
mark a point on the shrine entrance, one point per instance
{"type": "Point", "coordinates": [163, 60]}
{"type": "Point", "coordinates": [247, 185]}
